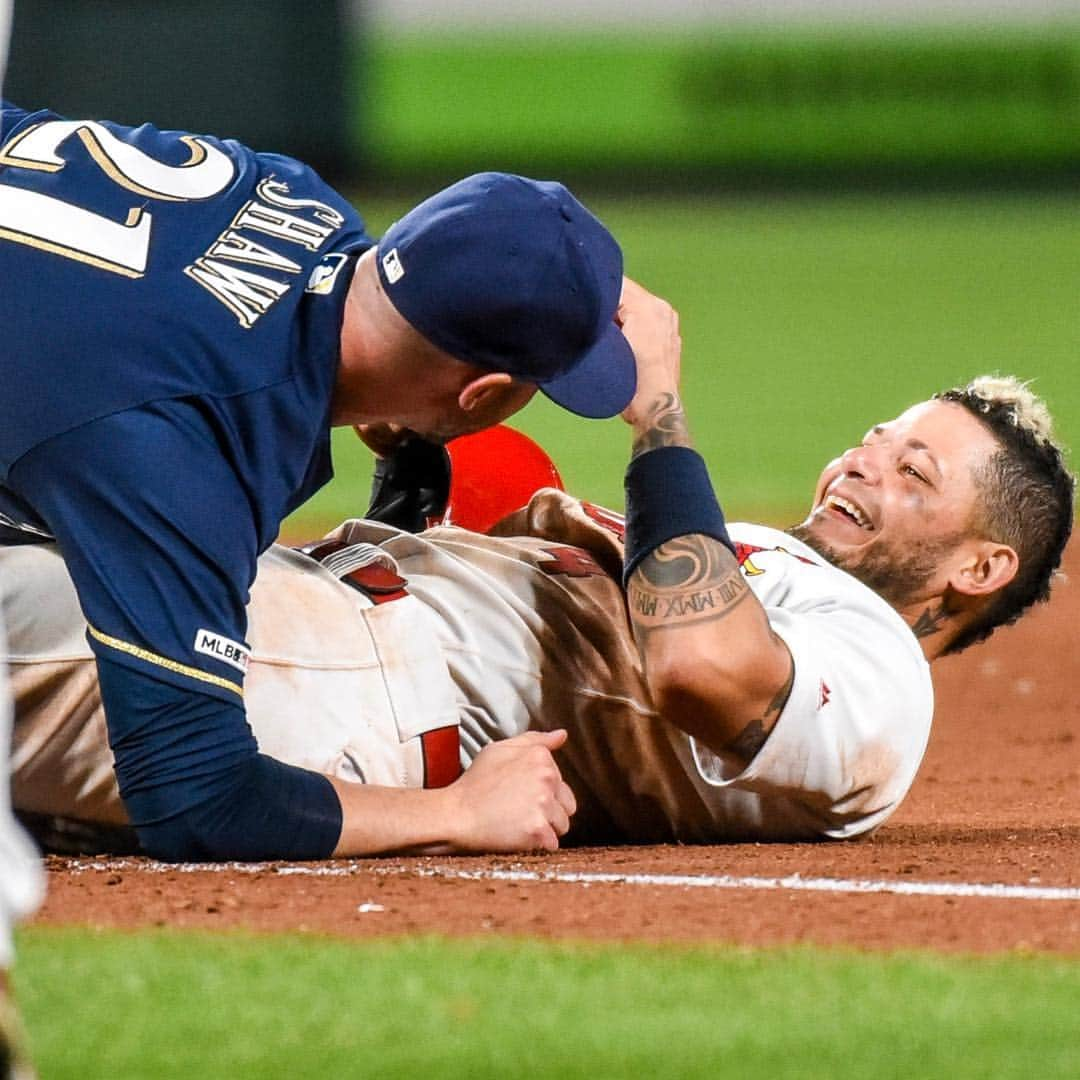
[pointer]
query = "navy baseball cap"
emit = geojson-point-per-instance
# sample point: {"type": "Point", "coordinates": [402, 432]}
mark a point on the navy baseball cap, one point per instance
{"type": "Point", "coordinates": [515, 275]}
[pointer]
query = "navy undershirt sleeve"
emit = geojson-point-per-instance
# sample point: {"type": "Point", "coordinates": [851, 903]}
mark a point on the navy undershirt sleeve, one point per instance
{"type": "Point", "coordinates": [219, 798]}
{"type": "Point", "coordinates": [161, 542]}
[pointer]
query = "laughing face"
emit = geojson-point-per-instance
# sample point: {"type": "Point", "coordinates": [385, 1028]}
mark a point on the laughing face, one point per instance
{"type": "Point", "coordinates": [898, 511]}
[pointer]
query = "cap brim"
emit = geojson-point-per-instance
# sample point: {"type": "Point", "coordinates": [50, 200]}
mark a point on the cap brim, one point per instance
{"type": "Point", "coordinates": [601, 384]}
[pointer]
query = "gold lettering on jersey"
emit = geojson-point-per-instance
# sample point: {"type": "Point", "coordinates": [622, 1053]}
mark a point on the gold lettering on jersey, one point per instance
{"type": "Point", "coordinates": [246, 294]}
{"type": "Point", "coordinates": [276, 192]}
{"type": "Point", "coordinates": [274, 221]}
{"type": "Point", "coordinates": [239, 248]}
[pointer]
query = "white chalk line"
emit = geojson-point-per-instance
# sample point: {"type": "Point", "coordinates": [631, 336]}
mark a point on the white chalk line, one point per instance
{"type": "Point", "coordinates": [793, 882]}
{"type": "Point", "coordinates": [788, 883]}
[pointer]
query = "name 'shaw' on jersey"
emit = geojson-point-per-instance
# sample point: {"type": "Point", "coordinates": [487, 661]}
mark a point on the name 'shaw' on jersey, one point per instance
{"type": "Point", "coordinates": [249, 294]}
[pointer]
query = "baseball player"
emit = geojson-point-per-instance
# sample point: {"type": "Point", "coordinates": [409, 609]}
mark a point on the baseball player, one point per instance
{"type": "Point", "coordinates": [21, 879]}
{"type": "Point", "coordinates": [185, 321]}
{"type": "Point", "coordinates": [408, 655]}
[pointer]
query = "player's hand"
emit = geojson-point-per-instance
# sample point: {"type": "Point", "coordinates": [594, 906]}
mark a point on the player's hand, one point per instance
{"type": "Point", "coordinates": [651, 325]}
{"type": "Point", "coordinates": [513, 797]}
{"type": "Point", "coordinates": [381, 438]}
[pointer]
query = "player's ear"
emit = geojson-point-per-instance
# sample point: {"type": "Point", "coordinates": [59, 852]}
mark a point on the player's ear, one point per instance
{"type": "Point", "coordinates": [988, 568]}
{"type": "Point", "coordinates": [483, 390]}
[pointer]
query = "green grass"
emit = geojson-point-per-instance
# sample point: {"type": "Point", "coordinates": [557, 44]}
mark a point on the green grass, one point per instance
{"type": "Point", "coordinates": [165, 1004]}
{"type": "Point", "coordinates": [805, 321]}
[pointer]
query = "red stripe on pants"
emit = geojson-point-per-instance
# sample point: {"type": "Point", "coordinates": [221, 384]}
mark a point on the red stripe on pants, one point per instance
{"type": "Point", "coordinates": [442, 759]}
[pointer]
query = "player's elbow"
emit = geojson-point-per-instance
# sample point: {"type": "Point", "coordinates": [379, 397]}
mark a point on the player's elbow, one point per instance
{"type": "Point", "coordinates": [687, 671]}
{"type": "Point", "coordinates": [180, 839]}
{"type": "Point", "coordinates": [177, 821]}
{"type": "Point", "coordinates": [259, 809]}
{"type": "Point", "coordinates": [714, 695]}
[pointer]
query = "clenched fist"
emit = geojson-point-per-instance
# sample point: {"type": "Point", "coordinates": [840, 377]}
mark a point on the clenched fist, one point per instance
{"type": "Point", "coordinates": [513, 797]}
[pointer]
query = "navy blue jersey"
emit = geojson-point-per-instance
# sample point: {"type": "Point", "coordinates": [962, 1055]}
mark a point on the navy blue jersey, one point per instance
{"type": "Point", "coordinates": [144, 265]}
{"type": "Point", "coordinates": [172, 316]}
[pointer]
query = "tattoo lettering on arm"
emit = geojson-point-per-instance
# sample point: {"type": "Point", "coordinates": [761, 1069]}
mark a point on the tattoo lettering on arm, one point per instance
{"type": "Point", "coordinates": [664, 425]}
{"type": "Point", "coordinates": [752, 737]}
{"type": "Point", "coordinates": [690, 579]}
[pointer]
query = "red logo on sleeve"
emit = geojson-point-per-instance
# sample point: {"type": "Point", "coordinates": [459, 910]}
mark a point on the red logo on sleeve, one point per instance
{"type": "Point", "coordinates": [823, 694]}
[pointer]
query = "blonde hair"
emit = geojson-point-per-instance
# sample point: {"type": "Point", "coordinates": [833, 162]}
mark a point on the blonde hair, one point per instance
{"type": "Point", "coordinates": [1025, 408]}
{"type": "Point", "coordinates": [1025, 494]}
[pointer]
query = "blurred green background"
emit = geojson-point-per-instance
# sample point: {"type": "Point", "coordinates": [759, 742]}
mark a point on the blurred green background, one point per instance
{"type": "Point", "coordinates": [726, 104]}
{"type": "Point", "coordinates": [848, 214]}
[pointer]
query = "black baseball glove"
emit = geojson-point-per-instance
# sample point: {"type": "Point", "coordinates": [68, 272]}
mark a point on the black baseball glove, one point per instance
{"type": "Point", "coordinates": [411, 485]}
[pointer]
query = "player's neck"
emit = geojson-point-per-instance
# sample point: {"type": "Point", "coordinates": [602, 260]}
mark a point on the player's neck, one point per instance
{"type": "Point", "coordinates": [933, 623]}
{"type": "Point", "coordinates": [368, 380]}
{"type": "Point", "coordinates": [352, 388]}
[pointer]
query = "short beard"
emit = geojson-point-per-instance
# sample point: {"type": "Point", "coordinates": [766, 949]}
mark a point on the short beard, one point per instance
{"type": "Point", "coordinates": [896, 578]}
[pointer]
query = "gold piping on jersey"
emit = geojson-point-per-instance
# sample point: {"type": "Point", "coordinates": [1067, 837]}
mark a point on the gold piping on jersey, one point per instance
{"type": "Point", "coordinates": [162, 661]}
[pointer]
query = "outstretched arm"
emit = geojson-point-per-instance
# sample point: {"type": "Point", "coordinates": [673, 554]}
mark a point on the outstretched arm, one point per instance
{"type": "Point", "coordinates": [248, 806]}
{"type": "Point", "coordinates": [715, 667]}
{"type": "Point", "coordinates": [154, 562]}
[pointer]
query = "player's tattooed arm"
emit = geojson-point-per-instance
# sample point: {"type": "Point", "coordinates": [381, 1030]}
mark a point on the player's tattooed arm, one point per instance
{"type": "Point", "coordinates": [663, 423]}
{"type": "Point", "coordinates": [716, 668]}
{"type": "Point", "coordinates": [688, 579]}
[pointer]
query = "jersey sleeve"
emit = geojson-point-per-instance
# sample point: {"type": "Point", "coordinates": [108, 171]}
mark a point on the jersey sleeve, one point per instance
{"type": "Point", "coordinates": [850, 738]}
{"type": "Point", "coordinates": [160, 539]}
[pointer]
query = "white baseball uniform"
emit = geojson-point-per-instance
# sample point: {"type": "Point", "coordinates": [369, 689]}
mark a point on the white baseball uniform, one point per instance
{"type": "Point", "coordinates": [499, 634]}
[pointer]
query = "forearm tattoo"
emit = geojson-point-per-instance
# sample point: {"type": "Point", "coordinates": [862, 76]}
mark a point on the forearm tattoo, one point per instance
{"type": "Point", "coordinates": [663, 425]}
{"type": "Point", "coordinates": [690, 579]}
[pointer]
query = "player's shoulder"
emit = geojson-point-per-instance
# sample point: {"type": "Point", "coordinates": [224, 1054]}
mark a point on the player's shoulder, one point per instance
{"type": "Point", "coordinates": [103, 138]}
{"type": "Point", "coordinates": [788, 573]}
{"type": "Point", "coordinates": [185, 169]}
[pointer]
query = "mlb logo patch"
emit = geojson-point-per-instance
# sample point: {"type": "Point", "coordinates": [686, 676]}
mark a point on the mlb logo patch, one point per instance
{"type": "Point", "coordinates": [392, 268]}
{"type": "Point", "coordinates": [324, 277]}
{"type": "Point", "coordinates": [222, 648]}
